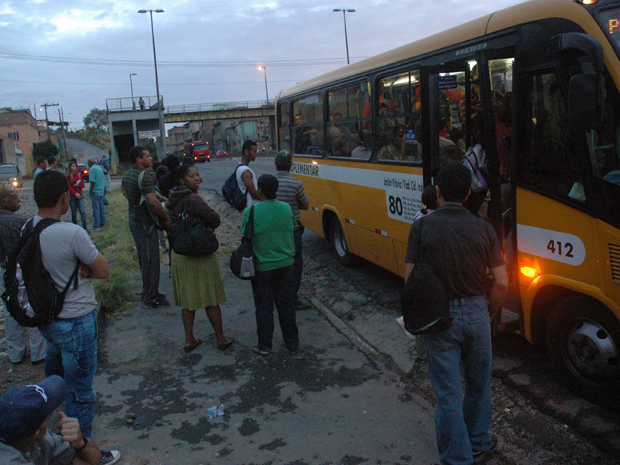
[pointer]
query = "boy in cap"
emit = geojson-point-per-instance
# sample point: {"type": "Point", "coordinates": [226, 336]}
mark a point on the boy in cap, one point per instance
{"type": "Point", "coordinates": [24, 415]}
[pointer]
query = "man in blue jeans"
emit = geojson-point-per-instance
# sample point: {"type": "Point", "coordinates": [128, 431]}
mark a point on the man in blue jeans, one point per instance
{"type": "Point", "coordinates": [72, 336]}
{"type": "Point", "coordinates": [96, 179]}
{"type": "Point", "coordinates": [274, 251]}
{"type": "Point", "coordinates": [460, 247]}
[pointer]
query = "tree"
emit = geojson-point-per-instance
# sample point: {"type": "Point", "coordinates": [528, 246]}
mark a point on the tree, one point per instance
{"type": "Point", "coordinates": [44, 149]}
{"type": "Point", "coordinates": [96, 119]}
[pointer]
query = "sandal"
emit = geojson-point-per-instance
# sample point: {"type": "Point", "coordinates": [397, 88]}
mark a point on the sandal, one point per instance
{"type": "Point", "coordinates": [224, 345]}
{"type": "Point", "coordinates": [188, 349]}
{"type": "Point", "coordinates": [262, 353]}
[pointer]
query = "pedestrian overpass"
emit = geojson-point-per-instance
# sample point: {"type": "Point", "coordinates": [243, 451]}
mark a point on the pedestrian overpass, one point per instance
{"type": "Point", "coordinates": [131, 119]}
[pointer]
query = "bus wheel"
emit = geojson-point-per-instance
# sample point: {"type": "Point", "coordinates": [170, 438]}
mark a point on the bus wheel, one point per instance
{"type": "Point", "coordinates": [339, 243]}
{"type": "Point", "coordinates": [583, 345]}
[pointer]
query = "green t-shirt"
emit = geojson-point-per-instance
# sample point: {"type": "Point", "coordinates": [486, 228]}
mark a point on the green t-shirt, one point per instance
{"type": "Point", "coordinates": [274, 245]}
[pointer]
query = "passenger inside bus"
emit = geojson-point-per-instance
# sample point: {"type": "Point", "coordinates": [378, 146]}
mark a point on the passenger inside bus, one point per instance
{"type": "Point", "coordinates": [395, 150]}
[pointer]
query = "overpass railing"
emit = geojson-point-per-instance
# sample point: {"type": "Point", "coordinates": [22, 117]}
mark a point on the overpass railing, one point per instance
{"type": "Point", "coordinates": [236, 105]}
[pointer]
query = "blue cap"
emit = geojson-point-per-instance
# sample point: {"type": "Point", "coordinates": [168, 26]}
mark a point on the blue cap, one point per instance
{"type": "Point", "coordinates": [24, 409]}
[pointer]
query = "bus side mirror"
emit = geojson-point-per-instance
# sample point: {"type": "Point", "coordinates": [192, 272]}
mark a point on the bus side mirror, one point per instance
{"type": "Point", "coordinates": [586, 93]}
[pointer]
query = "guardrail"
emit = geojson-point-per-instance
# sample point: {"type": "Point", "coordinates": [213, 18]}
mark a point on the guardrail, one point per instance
{"type": "Point", "coordinates": [196, 107]}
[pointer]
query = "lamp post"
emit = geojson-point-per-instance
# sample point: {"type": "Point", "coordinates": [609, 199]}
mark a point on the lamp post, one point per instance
{"type": "Point", "coordinates": [344, 15]}
{"type": "Point", "coordinates": [159, 106]}
{"type": "Point", "coordinates": [266, 91]}
{"type": "Point", "coordinates": [133, 104]}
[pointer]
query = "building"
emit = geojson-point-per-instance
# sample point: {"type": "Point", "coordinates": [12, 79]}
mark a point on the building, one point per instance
{"type": "Point", "coordinates": [229, 134]}
{"type": "Point", "coordinates": [19, 126]}
{"type": "Point", "coordinates": [175, 139]}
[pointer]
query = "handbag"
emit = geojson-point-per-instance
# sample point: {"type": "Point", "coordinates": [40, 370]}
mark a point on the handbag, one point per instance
{"type": "Point", "coordinates": [193, 241]}
{"type": "Point", "coordinates": [106, 201]}
{"type": "Point", "coordinates": [424, 301]}
{"type": "Point", "coordinates": [242, 259]}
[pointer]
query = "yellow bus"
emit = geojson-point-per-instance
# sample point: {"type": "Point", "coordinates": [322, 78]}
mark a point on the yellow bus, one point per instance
{"type": "Point", "coordinates": [535, 86]}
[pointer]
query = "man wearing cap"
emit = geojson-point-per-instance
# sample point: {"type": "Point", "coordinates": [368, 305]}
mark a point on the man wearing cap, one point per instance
{"type": "Point", "coordinates": [11, 225]}
{"type": "Point", "coordinates": [291, 191]}
{"type": "Point", "coordinates": [24, 439]}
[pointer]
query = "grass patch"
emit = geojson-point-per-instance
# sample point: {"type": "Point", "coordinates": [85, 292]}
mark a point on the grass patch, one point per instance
{"type": "Point", "coordinates": [116, 244]}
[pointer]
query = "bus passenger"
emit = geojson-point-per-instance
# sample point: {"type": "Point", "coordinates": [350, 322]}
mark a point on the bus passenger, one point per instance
{"type": "Point", "coordinates": [395, 150]}
{"type": "Point", "coordinates": [429, 202]}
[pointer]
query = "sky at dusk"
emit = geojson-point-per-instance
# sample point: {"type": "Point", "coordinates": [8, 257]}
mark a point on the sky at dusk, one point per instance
{"type": "Point", "coordinates": [80, 53]}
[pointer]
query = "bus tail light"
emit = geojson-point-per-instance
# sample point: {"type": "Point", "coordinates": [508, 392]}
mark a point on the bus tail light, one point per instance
{"type": "Point", "coordinates": [528, 271]}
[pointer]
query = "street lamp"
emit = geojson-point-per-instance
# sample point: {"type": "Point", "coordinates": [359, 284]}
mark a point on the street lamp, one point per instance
{"type": "Point", "coordinates": [159, 109]}
{"type": "Point", "coordinates": [266, 91]}
{"type": "Point", "coordinates": [133, 104]}
{"type": "Point", "coordinates": [344, 15]}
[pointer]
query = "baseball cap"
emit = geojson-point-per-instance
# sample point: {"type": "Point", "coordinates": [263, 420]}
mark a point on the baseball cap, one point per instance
{"type": "Point", "coordinates": [23, 409]}
{"type": "Point", "coordinates": [284, 159]}
{"type": "Point", "coordinates": [6, 191]}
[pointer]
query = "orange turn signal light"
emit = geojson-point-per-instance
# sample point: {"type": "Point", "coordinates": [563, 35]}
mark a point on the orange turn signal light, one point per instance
{"type": "Point", "coordinates": [529, 271]}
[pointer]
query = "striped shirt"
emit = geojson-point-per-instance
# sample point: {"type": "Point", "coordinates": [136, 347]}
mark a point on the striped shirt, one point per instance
{"type": "Point", "coordinates": [130, 181]}
{"type": "Point", "coordinates": [10, 229]}
{"type": "Point", "coordinates": [291, 191]}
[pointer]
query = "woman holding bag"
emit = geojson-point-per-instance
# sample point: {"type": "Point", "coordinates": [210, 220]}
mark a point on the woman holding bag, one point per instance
{"type": "Point", "coordinates": [196, 281]}
{"type": "Point", "coordinates": [76, 199]}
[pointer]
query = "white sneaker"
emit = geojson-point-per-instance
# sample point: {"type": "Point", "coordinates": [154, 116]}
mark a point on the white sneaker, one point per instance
{"type": "Point", "coordinates": [108, 457]}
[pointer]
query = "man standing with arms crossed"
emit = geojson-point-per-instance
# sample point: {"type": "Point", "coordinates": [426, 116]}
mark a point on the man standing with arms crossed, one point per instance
{"type": "Point", "coordinates": [460, 247]}
{"type": "Point", "coordinates": [72, 336]}
{"type": "Point", "coordinates": [291, 191]}
{"type": "Point", "coordinates": [246, 179]}
{"type": "Point", "coordinates": [142, 226]}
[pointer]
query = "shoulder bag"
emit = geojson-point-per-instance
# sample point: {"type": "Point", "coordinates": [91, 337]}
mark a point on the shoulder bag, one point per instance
{"type": "Point", "coordinates": [145, 208]}
{"type": "Point", "coordinates": [193, 241]}
{"type": "Point", "coordinates": [242, 259]}
{"type": "Point", "coordinates": [424, 301]}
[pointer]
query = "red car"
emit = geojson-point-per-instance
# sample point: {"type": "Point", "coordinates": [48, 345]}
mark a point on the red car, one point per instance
{"type": "Point", "coordinates": [221, 153]}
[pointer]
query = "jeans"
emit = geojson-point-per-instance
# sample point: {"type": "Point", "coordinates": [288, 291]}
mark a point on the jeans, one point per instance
{"type": "Point", "coordinates": [147, 246]}
{"type": "Point", "coordinates": [72, 354]}
{"type": "Point", "coordinates": [298, 264]}
{"type": "Point", "coordinates": [271, 287]}
{"type": "Point", "coordinates": [99, 218]}
{"type": "Point", "coordinates": [77, 204]}
{"type": "Point", "coordinates": [462, 423]}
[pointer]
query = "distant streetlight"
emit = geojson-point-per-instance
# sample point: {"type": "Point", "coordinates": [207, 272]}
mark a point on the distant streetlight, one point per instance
{"type": "Point", "coordinates": [133, 104]}
{"type": "Point", "coordinates": [344, 15]}
{"type": "Point", "coordinates": [159, 106]}
{"type": "Point", "coordinates": [266, 91]}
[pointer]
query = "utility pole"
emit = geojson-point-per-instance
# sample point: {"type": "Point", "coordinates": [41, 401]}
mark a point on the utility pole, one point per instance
{"type": "Point", "coordinates": [61, 114]}
{"type": "Point", "coordinates": [47, 125]}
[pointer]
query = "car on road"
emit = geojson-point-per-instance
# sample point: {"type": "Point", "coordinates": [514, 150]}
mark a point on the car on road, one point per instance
{"type": "Point", "coordinates": [221, 153]}
{"type": "Point", "coordinates": [84, 170]}
{"type": "Point", "coordinates": [10, 174]}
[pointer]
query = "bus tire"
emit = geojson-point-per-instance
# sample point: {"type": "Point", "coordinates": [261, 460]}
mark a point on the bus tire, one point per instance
{"type": "Point", "coordinates": [339, 242]}
{"type": "Point", "coordinates": [583, 346]}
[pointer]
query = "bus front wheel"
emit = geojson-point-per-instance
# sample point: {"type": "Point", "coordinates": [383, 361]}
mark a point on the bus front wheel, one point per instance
{"type": "Point", "coordinates": [583, 345]}
{"type": "Point", "coordinates": [339, 242]}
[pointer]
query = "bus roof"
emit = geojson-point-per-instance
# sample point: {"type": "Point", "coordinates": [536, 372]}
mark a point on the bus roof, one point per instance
{"type": "Point", "coordinates": [518, 14]}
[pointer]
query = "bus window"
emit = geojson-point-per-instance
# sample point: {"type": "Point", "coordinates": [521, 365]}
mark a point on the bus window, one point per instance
{"type": "Point", "coordinates": [347, 130]}
{"type": "Point", "coordinates": [308, 125]}
{"type": "Point", "coordinates": [284, 131]}
{"type": "Point", "coordinates": [549, 165]}
{"type": "Point", "coordinates": [397, 119]}
{"type": "Point", "coordinates": [501, 87]}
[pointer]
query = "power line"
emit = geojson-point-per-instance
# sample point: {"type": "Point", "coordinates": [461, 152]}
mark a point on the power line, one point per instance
{"type": "Point", "coordinates": [137, 85]}
{"type": "Point", "coordinates": [177, 64]}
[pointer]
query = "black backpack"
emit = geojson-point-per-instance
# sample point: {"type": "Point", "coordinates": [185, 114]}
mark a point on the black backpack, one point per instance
{"type": "Point", "coordinates": [44, 298]}
{"type": "Point", "coordinates": [232, 193]}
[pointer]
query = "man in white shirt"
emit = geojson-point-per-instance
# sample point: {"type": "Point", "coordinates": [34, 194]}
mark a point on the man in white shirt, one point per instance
{"type": "Point", "coordinates": [246, 179]}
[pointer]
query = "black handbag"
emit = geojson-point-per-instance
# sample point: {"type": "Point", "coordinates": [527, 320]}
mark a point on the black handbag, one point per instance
{"type": "Point", "coordinates": [424, 301]}
{"type": "Point", "coordinates": [242, 259]}
{"type": "Point", "coordinates": [193, 241]}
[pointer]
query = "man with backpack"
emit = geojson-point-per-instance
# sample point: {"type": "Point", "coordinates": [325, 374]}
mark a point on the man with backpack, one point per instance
{"type": "Point", "coordinates": [72, 336]}
{"type": "Point", "coordinates": [241, 188]}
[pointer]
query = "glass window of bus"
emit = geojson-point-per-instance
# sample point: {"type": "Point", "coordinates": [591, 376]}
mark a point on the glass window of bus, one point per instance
{"type": "Point", "coordinates": [397, 119]}
{"type": "Point", "coordinates": [308, 125]}
{"type": "Point", "coordinates": [501, 86]}
{"type": "Point", "coordinates": [284, 131]}
{"type": "Point", "coordinates": [347, 130]}
{"type": "Point", "coordinates": [549, 165]}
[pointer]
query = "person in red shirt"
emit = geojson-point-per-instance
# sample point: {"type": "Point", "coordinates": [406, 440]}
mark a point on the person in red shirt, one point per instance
{"type": "Point", "coordinates": [76, 200]}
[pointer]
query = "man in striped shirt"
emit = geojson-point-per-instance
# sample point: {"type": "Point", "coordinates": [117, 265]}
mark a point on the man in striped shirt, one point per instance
{"type": "Point", "coordinates": [291, 191]}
